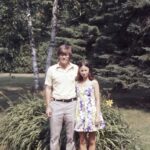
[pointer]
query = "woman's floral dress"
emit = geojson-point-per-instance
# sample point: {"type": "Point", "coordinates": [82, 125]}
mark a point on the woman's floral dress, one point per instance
{"type": "Point", "coordinates": [86, 108]}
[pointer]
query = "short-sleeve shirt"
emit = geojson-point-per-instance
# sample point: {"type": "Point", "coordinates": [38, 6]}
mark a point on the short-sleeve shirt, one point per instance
{"type": "Point", "coordinates": [62, 81]}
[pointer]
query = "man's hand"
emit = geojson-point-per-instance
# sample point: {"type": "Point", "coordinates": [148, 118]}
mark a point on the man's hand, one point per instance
{"type": "Point", "coordinates": [49, 111]}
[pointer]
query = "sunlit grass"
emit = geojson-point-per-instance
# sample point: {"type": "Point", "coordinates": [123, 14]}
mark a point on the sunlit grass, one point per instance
{"type": "Point", "coordinates": [17, 80]}
{"type": "Point", "coordinates": [139, 122]}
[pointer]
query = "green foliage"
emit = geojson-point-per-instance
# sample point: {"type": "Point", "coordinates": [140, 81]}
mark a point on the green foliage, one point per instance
{"type": "Point", "coordinates": [124, 32]}
{"type": "Point", "coordinates": [26, 127]}
{"type": "Point", "coordinates": [114, 32]}
{"type": "Point", "coordinates": [14, 33]}
{"type": "Point", "coordinates": [116, 135]}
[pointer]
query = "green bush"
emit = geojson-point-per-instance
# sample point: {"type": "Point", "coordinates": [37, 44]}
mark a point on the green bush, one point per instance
{"type": "Point", "coordinates": [116, 135]}
{"type": "Point", "coordinates": [26, 127]}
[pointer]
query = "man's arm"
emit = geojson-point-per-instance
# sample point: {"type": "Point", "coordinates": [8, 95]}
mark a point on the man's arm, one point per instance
{"type": "Point", "coordinates": [48, 93]}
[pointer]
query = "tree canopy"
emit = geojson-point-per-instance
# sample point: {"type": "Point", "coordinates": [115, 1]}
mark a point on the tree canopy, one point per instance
{"type": "Point", "coordinates": [113, 34]}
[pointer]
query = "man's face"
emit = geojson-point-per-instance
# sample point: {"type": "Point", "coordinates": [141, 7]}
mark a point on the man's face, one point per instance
{"type": "Point", "coordinates": [64, 58]}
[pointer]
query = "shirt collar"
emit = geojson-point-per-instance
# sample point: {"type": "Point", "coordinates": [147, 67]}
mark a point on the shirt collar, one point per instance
{"type": "Point", "coordinates": [68, 67]}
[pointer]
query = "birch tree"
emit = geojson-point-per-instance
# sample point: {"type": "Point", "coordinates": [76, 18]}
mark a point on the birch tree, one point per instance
{"type": "Point", "coordinates": [32, 47]}
{"type": "Point", "coordinates": [53, 34]}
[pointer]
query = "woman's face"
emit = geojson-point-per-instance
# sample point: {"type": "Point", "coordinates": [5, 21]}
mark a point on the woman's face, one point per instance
{"type": "Point", "coordinates": [84, 72]}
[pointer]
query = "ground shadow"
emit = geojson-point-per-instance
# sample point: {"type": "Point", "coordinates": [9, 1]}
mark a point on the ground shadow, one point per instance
{"type": "Point", "coordinates": [135, 98]}
{"type": "Point", "coordinates": [11, 89]}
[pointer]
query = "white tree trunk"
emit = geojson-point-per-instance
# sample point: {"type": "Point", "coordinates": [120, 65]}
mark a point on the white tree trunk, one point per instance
{"type": "Point", "coordinates": [32, 47]}
{"type": "Point", "coordinates": [53, 34]}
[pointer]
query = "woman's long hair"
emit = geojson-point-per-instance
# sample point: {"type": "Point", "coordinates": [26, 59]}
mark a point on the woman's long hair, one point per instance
{"type": "Point", "coordinates": [84, 63]}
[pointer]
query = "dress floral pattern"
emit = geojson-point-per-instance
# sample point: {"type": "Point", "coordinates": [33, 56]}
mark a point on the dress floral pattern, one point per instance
{"type": "Point", "coordinates": [86, 108]}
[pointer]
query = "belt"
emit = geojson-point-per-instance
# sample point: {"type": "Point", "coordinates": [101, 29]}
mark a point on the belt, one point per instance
{"type": "Point", "coordinates": [66, 100]}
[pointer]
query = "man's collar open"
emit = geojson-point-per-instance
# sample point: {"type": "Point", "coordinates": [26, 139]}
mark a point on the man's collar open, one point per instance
{"type": "Point", "coordinates": [70, 65]}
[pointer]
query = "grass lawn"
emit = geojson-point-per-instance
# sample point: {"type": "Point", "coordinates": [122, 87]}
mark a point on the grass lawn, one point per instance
{"type": "Point", "coordinates": [139, 122]}
{"type": "Point", "coordinates": [11, 87]}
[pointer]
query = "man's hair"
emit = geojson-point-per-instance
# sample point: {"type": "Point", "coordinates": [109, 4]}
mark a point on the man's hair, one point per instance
{"type": "Point", "coordinates": [64, 50]}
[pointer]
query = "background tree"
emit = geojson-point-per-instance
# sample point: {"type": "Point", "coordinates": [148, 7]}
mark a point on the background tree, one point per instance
{"type": "Point", "coordinates": [32, 47]}
{"type": "Point", "coordinates": [113, 35]}
{"type": "Point", "coordinates": [53, 34]}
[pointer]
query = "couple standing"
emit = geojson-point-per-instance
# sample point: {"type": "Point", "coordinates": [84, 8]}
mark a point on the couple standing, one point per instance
{"type": "Point", "coordinates": [72, 97]}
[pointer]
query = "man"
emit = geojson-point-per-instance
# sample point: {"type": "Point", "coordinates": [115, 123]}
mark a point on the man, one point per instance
{"type": "Point", "coordinates": [61, 97]}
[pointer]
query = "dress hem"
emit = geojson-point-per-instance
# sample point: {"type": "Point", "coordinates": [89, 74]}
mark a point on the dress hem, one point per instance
{"type": "Point", "coordinates": [85, 131]}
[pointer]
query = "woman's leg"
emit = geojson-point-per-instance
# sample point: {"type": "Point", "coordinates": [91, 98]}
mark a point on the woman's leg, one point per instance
{"type": "Point", "coordinates": [82, 136]}
{"type": "Point", "coordinates": [92, 141]}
